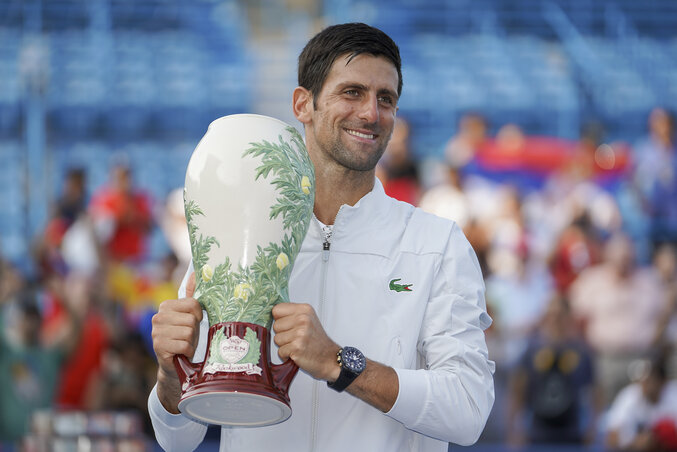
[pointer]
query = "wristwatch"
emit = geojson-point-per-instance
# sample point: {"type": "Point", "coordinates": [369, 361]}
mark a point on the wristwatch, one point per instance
{"type": "Point", "coordinates": [352, 362]}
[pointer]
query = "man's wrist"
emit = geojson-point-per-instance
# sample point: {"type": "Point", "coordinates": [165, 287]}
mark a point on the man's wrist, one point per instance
{"type": "Point", "coordinates": [334, 368]}
{"type": "Point", "coordinates": [169, 391]}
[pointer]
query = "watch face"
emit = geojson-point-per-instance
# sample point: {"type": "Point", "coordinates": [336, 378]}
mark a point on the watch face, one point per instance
{"type": "Point", "coordinates": [353, 359]}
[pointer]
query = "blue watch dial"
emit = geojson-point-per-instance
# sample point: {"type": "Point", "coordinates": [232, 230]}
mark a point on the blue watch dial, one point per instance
{"type": "Point", "coordinates": [353, 359]}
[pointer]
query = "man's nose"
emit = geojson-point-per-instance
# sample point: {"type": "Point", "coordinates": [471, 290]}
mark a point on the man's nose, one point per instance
{"type": "Point", "coordinates": [369, 109]}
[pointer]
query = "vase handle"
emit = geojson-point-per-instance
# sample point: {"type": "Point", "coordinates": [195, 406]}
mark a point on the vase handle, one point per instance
{"type": "Point", "coordinates": [185, 369]}
{"type": "Point", "coordinates": [283, 374]}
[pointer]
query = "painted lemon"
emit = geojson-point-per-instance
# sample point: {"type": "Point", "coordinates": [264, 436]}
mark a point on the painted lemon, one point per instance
{"type": "Point", "coordinates": [282, 261]}
{"type": "Point", "coordinates": [305, 185]}
{"type": "Point", "coordinates": [207, 273]}
{"type": "Point", "coordinates": [241, 291]}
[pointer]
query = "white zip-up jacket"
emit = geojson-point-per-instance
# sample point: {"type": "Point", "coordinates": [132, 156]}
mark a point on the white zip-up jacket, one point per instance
{"type": "Point", "coordinates": [433, 336]}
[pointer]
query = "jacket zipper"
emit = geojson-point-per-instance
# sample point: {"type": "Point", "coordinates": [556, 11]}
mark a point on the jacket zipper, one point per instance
{"type": "Point", "coordinates": [326, 244]}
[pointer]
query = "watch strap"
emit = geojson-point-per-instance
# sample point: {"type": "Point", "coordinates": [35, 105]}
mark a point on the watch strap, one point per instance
{"type": "Point", "coordinates": [345, 378]}
{"type": "Point", "coordinates": [343, 381]}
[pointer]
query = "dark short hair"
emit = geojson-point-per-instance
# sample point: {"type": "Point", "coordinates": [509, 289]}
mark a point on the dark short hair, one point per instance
{"type": "Point", "coordinates": [77, 175]}
{"type": "Point", "coordinates": [324, 48]}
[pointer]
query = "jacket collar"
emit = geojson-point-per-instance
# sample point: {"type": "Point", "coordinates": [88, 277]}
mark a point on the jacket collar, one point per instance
{"type": "Point", "coordinates": [365, 227]}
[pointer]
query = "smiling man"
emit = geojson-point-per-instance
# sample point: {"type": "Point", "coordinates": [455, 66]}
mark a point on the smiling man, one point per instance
{"type": "Point", "coordinates": [388, 318]}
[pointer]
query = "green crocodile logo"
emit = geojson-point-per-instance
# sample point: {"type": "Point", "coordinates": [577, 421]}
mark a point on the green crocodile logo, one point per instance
{"type": "Point", "coordinates": [399, 287]}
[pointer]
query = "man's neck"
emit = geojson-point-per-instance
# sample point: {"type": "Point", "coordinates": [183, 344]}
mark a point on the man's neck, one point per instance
{"type": "Point", "coordinates": [336, 188]}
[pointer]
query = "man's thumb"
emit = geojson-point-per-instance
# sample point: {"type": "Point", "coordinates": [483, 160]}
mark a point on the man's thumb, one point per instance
{"type": "Point", "coordinates": [190, 285]}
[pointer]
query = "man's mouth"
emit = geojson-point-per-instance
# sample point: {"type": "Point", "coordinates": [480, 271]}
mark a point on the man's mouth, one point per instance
{"type": "Point", "coordinates": [355, 133]}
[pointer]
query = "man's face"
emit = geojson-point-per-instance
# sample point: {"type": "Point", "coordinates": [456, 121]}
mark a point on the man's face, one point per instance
{"type": "Point", "coordinates": [122, 179]}
{"type": "Point", "coordinates": [354, 113]}
{"type": "Point", "coordinates": [652, 387]}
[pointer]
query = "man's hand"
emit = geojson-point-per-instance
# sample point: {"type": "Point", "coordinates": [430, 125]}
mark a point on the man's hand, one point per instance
{"type": "Point", "coordinates": [300, 336]}
{"type": "Point", "coordinates": [176, 328]}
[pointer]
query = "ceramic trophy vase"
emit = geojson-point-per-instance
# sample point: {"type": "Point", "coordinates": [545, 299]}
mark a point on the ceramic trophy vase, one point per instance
{"type": "Point", "coordinates": [249, 194]}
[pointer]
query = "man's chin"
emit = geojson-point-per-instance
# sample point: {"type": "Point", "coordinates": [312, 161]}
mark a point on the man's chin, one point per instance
{"type": "Point", "coordinates": [361, 166]}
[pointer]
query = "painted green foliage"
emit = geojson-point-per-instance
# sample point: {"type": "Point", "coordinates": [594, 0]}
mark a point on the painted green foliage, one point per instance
{"type": "Point", "coordinates": [249, 294]}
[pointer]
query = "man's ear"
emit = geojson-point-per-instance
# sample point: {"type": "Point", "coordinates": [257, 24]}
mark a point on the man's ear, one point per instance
{"type": "Point", "coordinates": [302, 103]}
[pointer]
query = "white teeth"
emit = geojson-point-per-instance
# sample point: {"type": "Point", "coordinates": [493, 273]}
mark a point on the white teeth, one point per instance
{"type": "Point", "coordinates": [359, 134]}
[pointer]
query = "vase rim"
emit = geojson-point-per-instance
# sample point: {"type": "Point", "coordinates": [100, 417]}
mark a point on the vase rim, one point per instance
{"type": "Point", "coordinates": [250, 115]}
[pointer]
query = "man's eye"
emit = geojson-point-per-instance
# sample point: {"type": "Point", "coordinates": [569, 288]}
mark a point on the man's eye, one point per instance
{"type": "Point", "coordinates": [352, 92]}
{"type": "Point", "coordinates": [386, 100]}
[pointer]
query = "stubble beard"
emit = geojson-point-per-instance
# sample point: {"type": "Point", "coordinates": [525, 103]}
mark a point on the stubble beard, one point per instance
{"type": "Point", "coordinates": [353, 158]}
{"type": "Point", "coordinates": [355, 161]}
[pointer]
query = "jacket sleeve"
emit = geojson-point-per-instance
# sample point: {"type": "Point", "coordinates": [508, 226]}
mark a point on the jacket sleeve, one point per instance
{"type": "Point", "coordinates": [450, 397]}
{"type": "Point", "coordinates": [175, 432]}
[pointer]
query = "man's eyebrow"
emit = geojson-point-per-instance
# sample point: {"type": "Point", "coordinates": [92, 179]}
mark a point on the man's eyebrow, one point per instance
{"type": "Point", "coordinates": [356, 85]}
{"type": "Point", "coordinates": [389, 92]}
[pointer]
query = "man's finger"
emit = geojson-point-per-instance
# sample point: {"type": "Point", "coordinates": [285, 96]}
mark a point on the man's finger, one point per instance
{"type": "Point", "coordinates": [284, 352]}
{"type": "Point", "coordinates": [190, 286]}
{"type": "Point", "coordinates": [178, 347]}
{"type": "Point", "coordinates": [284, 323]}
{"type": "Point", "coordinates": [284, 338]}
{"type": "Point", "coordinates": [280, 310]}
{"type": "Point", "coordinates": [185, 305]}
{"type": "Point", "coordinates": [285, 309]}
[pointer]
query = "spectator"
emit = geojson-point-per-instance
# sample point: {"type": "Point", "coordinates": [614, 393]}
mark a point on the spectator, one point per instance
{"type": "Point", "coordinates": [665, 262]}
{"type": "Point", "coordinates": [655, 151]}
{"type": "Point", "coordinates": [507, 227]}
{"type": "Point", "coordinates": [78, 245]}
{"type": "Point", "coordinates": [68, 242]}
{"type": "Point", "coordinates": [620, 305]}
{"type": "Point", "coordinates": [644, 415]}
{"type": "Point", "coordinates": [576, 249]}
{"type": "Point", "coordinates": [29, 366]}
{"type": "Point", "coordinates": [447, 200]}
{"type": "Point", "coordinates": [517, 294]}
{"type": "Point", "coordinates": [552, 385]}
{"type": "Point", "coordinates": [518, 289]}
{"type": "Point", "coordinates": [461, 149]}
{"type": "Point", "coordinates": [128, 376]}
{"type": "Point", "coordinates": [80, 373]}
{"type": "Point", "coordinates": [73, 201]}
{"type": "Point", "coordinates": [462, 152]}
{"type": "Point", "coordinates": [122, 217]}
{"type": "Point", "coordinates": [655, 175]}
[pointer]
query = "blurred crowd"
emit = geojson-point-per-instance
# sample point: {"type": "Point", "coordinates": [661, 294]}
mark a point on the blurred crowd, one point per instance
{"type": "Point", "coordinates": [577, 242]}
{"type": "Point", "coordinates": [576, 238]}
{"type": "Point", "coordinates": [75, 335]}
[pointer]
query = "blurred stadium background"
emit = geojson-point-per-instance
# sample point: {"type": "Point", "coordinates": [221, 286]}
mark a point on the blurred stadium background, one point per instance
{"type": "Point", "coordinates": [80, 80]}
{"type": "Point", "coordinates": [84, 82]}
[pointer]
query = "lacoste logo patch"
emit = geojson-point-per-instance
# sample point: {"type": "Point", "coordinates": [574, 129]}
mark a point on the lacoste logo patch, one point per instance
{"type": "Point", "coordinates": [399, 287]}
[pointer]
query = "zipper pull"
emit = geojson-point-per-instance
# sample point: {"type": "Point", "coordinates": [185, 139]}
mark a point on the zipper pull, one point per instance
{"type": "Point", "coordinates": [325, 251]}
